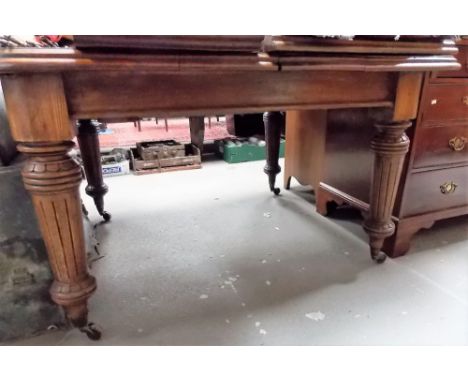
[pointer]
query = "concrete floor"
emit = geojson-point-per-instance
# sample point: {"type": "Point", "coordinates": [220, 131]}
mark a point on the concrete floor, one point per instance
{"type": "Point", "coordinates": [210, 257]}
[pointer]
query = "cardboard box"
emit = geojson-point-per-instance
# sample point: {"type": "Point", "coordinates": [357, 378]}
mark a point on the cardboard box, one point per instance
{"type": "Point", "coordinates": [118, 168]}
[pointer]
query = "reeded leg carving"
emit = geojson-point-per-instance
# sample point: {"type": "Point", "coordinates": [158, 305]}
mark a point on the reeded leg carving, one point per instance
{"type": "Point", "coordinates": [274, 122]}
{"type": "Point", "coordinates": [89, 147]}
{"type": "Point", "coordinates": [53, 180]}
{"type": "Point", "coordinates": [389, 146]}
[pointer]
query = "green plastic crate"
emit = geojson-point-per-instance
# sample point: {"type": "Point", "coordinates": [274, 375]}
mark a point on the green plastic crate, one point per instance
{"type": "Point", "coordinates": [243, 151]}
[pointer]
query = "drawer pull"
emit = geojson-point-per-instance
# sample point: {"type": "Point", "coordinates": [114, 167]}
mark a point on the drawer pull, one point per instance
{"type": "Point", "coordinates": [465, 100]}
{"type": "Point", "coordinates": [448, 187]}
{"type": "Point", "coordinates": [434, 101]}
{"type": "Point", "coordinates": [457, 143]}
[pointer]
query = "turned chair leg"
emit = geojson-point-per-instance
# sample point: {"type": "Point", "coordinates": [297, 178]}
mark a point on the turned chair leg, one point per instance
{"type": "Point", "coordinates": [390, 146]}
{"type": "Point", "coordinates": [274, 123]}
{"type": "Point", "coordinates": [89, 147]}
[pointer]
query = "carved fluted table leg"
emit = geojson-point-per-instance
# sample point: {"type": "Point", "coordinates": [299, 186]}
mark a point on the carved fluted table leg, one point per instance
{"type": "Point", "coordinates": [274, 122]}
{"type": "Point", "coordinates": [89, 147]}
{"type": "Point", "coordinates": [53, 180]}
{"type": "Point", "coordinates": [389, 146]}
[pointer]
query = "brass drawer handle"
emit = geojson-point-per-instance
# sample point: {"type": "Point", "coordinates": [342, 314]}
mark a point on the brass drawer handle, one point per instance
{"type": "Point", "coordinates": [448, 187]}
{"type": "Point", "coordinates": [465, 100]}
{"type": "Point", "coordinates": [457, 143]}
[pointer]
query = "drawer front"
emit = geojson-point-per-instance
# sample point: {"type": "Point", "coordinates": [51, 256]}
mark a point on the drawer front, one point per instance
{"type": "Point", "coordinates": [446, 102]}
{"type": "Point", "coordinates": [441, 145]}
{"type": "Point", "coordinates": [435, 190]}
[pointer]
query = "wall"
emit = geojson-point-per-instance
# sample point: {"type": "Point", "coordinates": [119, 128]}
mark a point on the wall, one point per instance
{"type": "Point", "coordinates": [25, 276]}
{"type": "Point", "coordinates": [7, 147]}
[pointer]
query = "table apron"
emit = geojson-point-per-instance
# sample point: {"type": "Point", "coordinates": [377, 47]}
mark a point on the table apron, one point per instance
{"type": "Point", "coordinates": [116, 94]}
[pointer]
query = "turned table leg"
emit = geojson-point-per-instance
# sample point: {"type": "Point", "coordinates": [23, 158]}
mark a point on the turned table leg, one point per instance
{"type": "Point", "coordinates": [89, 147]}
{"type": "Point", "coordinates": [274, 122]}
{"type": "Point", "coordinates": [389, 146]}
{"type": "Point", "coordinates": [53, 180]}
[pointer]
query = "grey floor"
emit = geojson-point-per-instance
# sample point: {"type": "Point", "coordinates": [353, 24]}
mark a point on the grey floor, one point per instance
{"type": "Point", "coordinates": [209, 257]}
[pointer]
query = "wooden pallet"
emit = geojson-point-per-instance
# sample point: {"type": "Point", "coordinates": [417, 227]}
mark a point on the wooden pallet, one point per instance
{"type": "Point", "coordinates": [167, 169]}
{"type": "Point", "coordinates": [190, 160]}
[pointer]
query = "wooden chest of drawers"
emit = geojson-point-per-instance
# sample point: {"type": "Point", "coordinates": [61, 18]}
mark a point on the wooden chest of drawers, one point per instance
{"type": "Point", "coordinates": [441, 145]}
{"type": "Point", "coordinates": [434, 183]}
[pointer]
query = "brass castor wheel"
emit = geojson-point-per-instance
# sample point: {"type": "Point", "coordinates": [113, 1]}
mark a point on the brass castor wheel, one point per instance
{"type": "Point", "coordinates": [379, 258]}
{"type": "Point", "coordinates": [276, 190]}
{"type": "Point", "coordinates": [106, 216]}
{"type": "Point", "coordinates": [92, 332]}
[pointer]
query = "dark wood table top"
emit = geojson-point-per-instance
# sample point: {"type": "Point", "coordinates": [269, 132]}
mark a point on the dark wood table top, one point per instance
{"type": "Point", "coordinates": [233, 53]}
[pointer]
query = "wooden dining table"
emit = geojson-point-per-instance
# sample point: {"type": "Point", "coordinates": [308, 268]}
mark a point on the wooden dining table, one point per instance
{"type": "Point", "coordinates": [52, 94]}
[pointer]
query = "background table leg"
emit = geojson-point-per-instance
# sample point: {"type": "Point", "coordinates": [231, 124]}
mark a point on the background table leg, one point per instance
{"type": "Point", "coordinates": [91, 155]}
{"type": "Point", "coordinates": [197, 131]}
{"type": "Point", "coordinates": [53, 180]}
{"type": "Point", "coordinates": [274, 123]}
{"type": "Point", "coordinates": [389, 146]}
